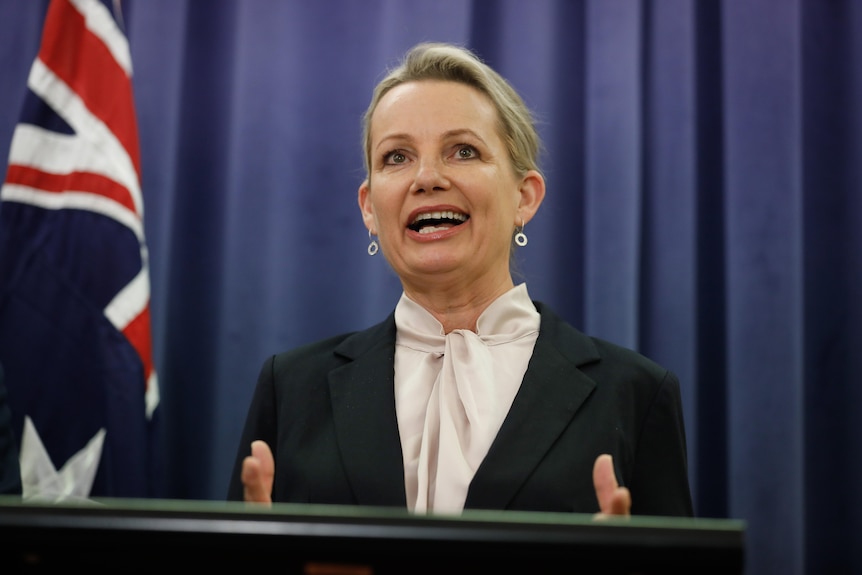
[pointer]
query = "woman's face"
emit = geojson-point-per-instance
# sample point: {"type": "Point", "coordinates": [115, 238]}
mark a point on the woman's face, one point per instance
{"type": "Point", "coordinates": [442, 195]}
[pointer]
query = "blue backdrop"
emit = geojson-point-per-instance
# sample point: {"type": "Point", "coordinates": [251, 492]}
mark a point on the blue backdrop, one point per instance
{"type": "Point", "coordinates": [703, 207]}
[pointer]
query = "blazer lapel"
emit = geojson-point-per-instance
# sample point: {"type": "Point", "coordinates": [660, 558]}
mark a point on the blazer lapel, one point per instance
{"type": "Point", "coordinates": [363, 405]}
{"type": "Point", "coordinates": [552, 391]}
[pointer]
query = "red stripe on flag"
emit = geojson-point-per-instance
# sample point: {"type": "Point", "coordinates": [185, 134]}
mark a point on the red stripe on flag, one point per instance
{"type": "Point", "coordinates": [83, 62]}
{"type": "Point", "coordinates": [87, 182]}
{"type": "Point", "coordinates": [138, 333]}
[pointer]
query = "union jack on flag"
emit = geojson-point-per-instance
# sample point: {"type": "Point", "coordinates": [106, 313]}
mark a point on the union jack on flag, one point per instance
{"type": "Point", "coordinates": [75, 337]}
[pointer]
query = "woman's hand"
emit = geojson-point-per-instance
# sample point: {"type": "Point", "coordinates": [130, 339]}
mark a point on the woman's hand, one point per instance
{"type": "Point", "coordinates": [258, 470]}
{"type": "Point", "coordinates": [613, 499]}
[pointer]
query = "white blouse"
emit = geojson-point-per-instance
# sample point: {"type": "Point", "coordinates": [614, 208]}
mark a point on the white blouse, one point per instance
{"type": "Point", "coordinates": [453, 391]}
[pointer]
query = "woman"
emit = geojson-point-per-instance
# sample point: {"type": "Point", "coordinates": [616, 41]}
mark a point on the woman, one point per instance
{"type": "Point", "coordinates": [469, 395]}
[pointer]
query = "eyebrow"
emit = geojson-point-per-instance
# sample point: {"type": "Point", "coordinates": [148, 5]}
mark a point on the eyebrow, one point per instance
{"type": "Point", "coordinates": [448, 135]}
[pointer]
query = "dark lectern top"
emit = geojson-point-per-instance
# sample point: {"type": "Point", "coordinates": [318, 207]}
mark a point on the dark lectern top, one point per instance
{"type": "Point", "coordinates": [117, 535]}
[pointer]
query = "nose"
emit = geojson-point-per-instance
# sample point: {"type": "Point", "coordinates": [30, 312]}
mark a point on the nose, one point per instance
{"type": "Point", "coordinates": [430, 177]}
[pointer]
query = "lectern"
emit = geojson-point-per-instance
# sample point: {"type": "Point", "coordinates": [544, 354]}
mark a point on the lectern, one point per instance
{"type": "Point", "coordinates": [155, 535]}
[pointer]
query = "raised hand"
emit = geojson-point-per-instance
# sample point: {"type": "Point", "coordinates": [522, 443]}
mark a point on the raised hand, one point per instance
{"type": "Point", "coordinates": [258, 470]}
{"type": "Point", "coordinates": [613, 499]}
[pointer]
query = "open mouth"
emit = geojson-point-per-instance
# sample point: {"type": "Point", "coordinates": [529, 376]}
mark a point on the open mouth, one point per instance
{"type": "Point", "coordinates": [430, 222]}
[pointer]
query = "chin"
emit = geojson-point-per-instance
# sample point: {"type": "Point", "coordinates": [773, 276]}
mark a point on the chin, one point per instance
{"type": "Point", "coordinates": [436, 265]}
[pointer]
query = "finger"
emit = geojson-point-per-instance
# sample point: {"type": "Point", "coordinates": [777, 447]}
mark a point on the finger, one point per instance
{"type": "Point", "coordinates": [253, 490]}
{"type": "Point", "coordinates": [604, 481]}
{"type": "Point", "coordinates": [612, 499]}
{"type": "Point", "coordinates": [257, 474]}
{"type": "Point", "coordinates": [621, 502]}
{"type": "Point", "coordinates": [261, 451]}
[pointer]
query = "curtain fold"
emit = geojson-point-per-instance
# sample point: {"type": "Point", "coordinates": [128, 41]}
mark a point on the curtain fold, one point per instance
{"type": "Point", "coordinates": [703, 206]}
{"type": "Point", "coordinates": [765, 325]}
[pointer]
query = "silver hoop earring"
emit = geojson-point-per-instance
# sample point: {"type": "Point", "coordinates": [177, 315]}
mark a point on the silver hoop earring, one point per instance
{"type": "Point", "coordinates": [520, 236]}
{"type": "Point", "coordinates": [373, 246]}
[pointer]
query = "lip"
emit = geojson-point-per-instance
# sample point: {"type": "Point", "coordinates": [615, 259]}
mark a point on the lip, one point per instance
{"type": "Point", "coordinates": [435, 236]}
{"type": "Point", "coordinates": [437, 208]}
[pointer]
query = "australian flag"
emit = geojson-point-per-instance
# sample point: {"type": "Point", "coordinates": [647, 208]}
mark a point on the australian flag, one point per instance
{"type": "Point", "coordinates": [75, 341]}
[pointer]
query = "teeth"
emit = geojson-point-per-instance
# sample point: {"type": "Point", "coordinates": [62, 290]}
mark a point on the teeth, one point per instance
{"type": "Point", "coordinates": [448, 215]}
{"type": "Point", "coordinates": [430, 230]}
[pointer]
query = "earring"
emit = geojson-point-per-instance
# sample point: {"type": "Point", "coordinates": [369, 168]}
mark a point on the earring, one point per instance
{"type": "Point", "coordinates": [373, 246]}
{"type": "Point", "coordinates": [520, 236]}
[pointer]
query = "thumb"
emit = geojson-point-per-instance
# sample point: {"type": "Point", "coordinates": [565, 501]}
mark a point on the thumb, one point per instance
{"type": "Point", "coordinates": [258, 470]}
{"type": "Point", "coordinates": [612, 499]}
{"type": "Point", "coordinates": [261, 451]}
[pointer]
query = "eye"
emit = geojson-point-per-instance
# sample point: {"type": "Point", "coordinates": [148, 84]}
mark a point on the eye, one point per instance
{"type": "Point", "coordinates": [466, 152]}
{"type": "Point", "coordinates": [394, 157]}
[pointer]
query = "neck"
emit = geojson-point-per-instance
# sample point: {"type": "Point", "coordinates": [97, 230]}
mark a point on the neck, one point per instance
{"type": "Point", "coordinates": [458, 307]}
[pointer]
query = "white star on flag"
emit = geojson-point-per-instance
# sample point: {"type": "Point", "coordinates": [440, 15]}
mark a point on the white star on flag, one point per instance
{"type": "Point", "coordinates": [41, 480]}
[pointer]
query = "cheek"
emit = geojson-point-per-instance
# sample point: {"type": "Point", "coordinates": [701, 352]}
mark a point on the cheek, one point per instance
{"type": "Point", "coordinates": [386, 210]}
{"type": "Point", "coordinates": [504, 202]}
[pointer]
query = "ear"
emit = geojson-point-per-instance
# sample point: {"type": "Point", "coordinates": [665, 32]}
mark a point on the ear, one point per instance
{"type": "Point", "coordinates": [532, 192]}
{"type": "Point", "coordinates": [364, 198]}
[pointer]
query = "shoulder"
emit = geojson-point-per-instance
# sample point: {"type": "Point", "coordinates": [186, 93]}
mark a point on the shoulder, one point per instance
{"type": "Point", "coordinates": [597, 357]}
{"type": "Point", "coordinates": [338, 349]}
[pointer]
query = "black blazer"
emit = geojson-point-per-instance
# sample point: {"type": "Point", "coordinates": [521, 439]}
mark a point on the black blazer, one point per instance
{"type": "Point", "coordinates": [327, 410]}
{"type": "Point", "coordinates": [10, 471]}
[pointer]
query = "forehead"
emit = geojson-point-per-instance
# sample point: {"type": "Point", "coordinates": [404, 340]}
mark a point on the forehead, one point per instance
{"type": "Point", "coordinates": [429, 106]}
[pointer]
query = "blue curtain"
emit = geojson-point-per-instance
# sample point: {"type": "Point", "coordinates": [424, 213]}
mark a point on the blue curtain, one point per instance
{"type": "Point", "coordinates": [703, 206]}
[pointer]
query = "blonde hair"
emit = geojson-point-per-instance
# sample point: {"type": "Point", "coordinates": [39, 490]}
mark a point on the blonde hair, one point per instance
{"type": "Point", "coordinates": [448, 62]}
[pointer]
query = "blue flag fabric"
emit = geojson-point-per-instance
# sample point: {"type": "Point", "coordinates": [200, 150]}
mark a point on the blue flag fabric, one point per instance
{"type": "Point", "coordinates": [75, 336]}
